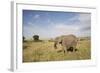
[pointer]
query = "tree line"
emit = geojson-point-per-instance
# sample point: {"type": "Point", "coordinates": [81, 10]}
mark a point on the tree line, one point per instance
{"type": "Point", "coordinates": [35, 38]}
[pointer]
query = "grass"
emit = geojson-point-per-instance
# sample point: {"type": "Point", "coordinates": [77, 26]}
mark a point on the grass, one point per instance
{"type": "Point", "coordinates": [44, 51]}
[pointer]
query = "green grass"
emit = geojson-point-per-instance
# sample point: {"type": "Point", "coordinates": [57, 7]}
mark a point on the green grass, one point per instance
{"type": "Point", "coordinates": [44, 51]}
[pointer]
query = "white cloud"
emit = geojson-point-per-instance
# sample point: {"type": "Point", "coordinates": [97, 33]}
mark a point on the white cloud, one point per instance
{"type": "Point", "coordinates": [79, 28]}
{"type": "Point", "coordinates": [29, 31]}
{"type": "Point", "coordinates": [36, 16]}
{"type": "Point", "coordinates": [66, 29]}
{"type": "Point", "coordinates": [85, 23]}
{"type": "Point", "coordinates": [48, 20]}
{"type": "Point", "coordinates": [84, 17]}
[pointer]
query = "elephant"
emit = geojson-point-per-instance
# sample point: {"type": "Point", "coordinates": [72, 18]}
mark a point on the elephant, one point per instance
{"type": "Point", "coordinates": [68, 42]}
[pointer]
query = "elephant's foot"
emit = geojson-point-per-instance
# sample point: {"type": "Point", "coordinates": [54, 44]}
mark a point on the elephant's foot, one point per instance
{"type": "Point", "coordinates": [70, 49]}
{"type": "Point", "coordinates": [76, 49]}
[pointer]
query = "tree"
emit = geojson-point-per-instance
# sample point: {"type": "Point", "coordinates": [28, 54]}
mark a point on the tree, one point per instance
{"type": "Point", "coordinates": [23, 38]}
{"type": "Point", "coordinates": [36, 37]}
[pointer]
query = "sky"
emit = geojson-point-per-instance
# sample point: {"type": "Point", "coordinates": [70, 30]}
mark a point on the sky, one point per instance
{"type": "Point", "coordinates": [50, 24]}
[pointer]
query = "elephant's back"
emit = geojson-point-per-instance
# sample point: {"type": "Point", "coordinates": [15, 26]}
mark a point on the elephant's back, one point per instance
{"type": "Point", "coordinates": [69, 40]}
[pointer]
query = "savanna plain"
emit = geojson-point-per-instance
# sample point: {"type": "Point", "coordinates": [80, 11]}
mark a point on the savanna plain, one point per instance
{"type": "Point", "coordinates": [44, 50]}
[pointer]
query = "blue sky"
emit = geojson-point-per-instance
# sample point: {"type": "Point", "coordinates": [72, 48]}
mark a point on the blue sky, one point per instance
{"type": "Point", "coordinates": [50, 24]}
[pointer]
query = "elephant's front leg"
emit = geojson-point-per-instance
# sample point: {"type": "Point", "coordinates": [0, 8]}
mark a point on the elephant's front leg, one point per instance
{"type": "Point", "coordinates": [64, 49]}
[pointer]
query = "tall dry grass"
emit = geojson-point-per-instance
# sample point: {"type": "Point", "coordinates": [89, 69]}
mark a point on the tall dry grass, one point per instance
{"type": "Point", "coordinates": [44, 51]}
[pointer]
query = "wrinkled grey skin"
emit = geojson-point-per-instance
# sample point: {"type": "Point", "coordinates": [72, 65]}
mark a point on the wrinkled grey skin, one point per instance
{"type": "Point", "coordinates": [67, 42]}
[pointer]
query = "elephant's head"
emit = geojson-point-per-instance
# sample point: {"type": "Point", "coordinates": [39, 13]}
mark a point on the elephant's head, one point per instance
{"type": "Point", "coordinates": [58, 41]}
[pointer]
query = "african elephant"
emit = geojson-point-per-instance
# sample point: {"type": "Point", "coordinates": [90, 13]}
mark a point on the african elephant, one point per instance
{"type": "Point", "coordinates": [68, 42]}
